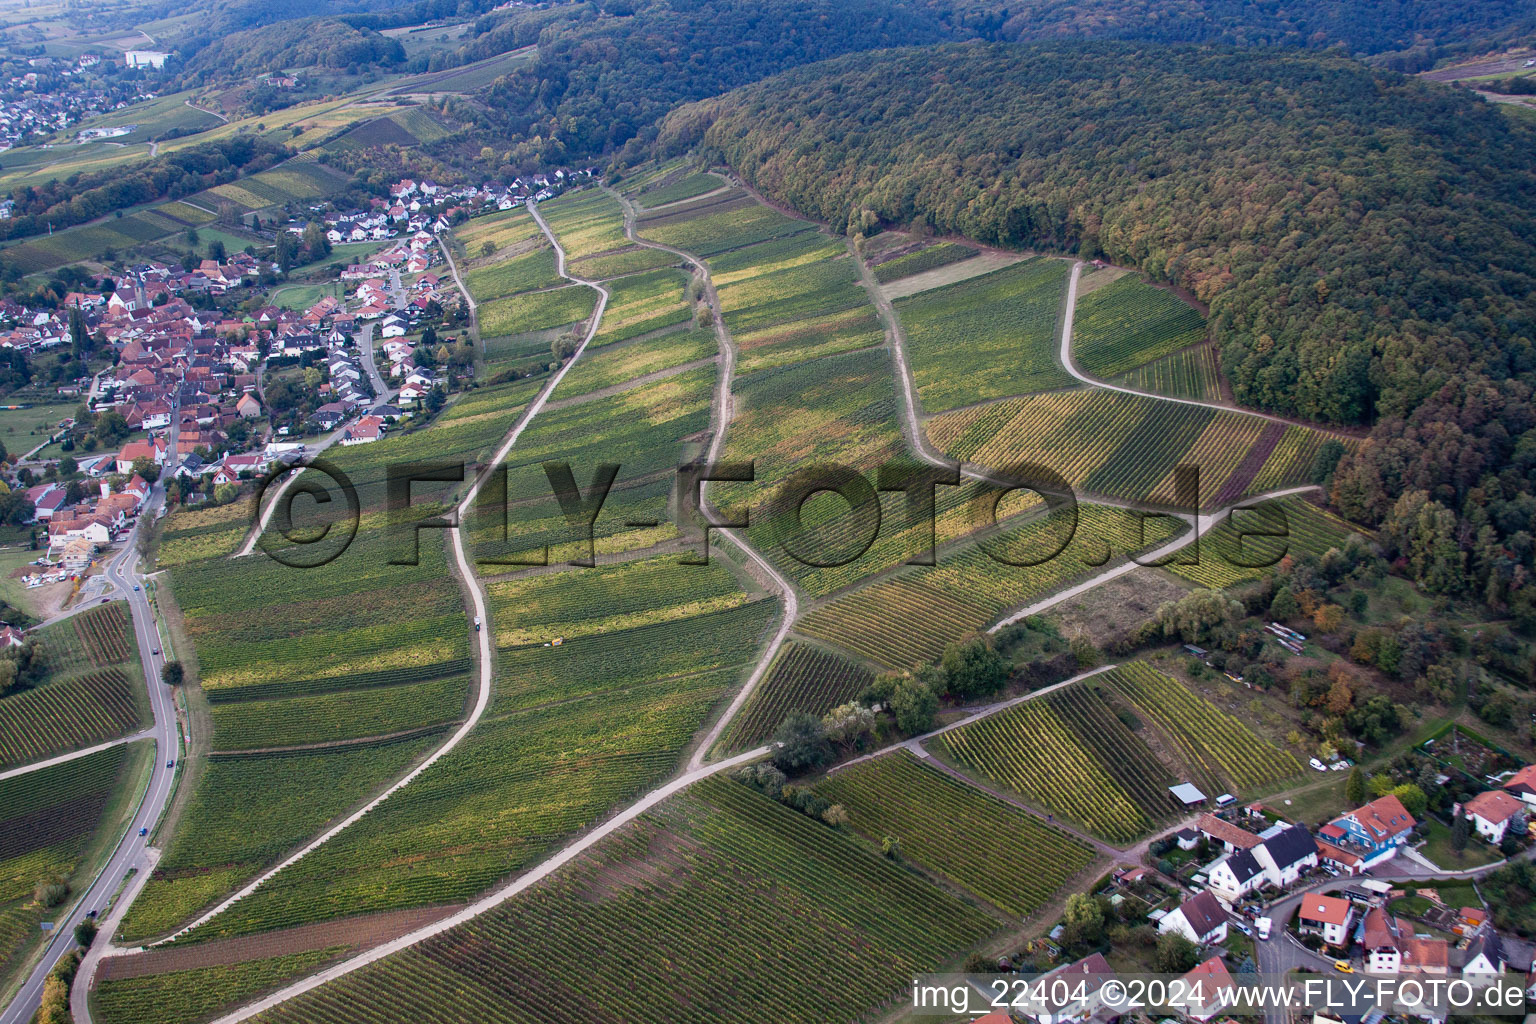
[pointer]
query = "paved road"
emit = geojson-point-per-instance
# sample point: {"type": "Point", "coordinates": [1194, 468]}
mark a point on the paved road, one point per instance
{"type": "Point", "coordinates": [477, 594]}
{"type": "Point", "coordinates": [133, 850]}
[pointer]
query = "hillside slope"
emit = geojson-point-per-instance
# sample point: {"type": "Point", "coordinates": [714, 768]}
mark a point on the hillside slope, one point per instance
{"type": "Point", "coordinates": [1364, 240]}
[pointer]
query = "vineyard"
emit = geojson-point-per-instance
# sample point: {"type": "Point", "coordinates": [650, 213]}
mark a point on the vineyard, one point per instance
{"type": "Point", "coordinates": [48, 820]}
{"type": "Point", "coordinates": [1188, 373]}
{"type": "Point", "coordinates": [718, 224]}
{"type": "Point", "coordinates": [515, 789]}
{"type": "Point", "coordinates": [605, 367]}
{"type": "Point", "coordinates": [331, 717]}
{"type": "Point", "coordinates": [1034, 750]}
{"type": "Point", "coordinates": [988, 336]}
{"type": "Point", "coordinates": [697, 913]}
{"type": "Point", "coordinates": [176, 997]}
{"type": "Point", "coordinates": [793, 298]}
{"type": "Point", "coordinates": [696, 184]}
{"type": "Point", "coordinates": [1209, 738]}
{"type": "Point", "coordinates": [1005, 856]}
{"type": "Point", "coordinates": [61, 716]}
{"type": "Point", "coordinates": [586, 222]}
{"type": "Point", "coordinates": [228, 835]}
{"type": "Point", "coordinates": [502, 277]}
{"type": "Point", "coordinates": [103, 632]}
{"type": "Point", "coordinates": [643, 303]}
{"type": "Point", "coordinates": [88, 692]}
{"type": "Point", "coordinates": [1128, 324]}
{"type": "Point", "coordinates": [503, 230]}
{"type": "Point", "coordinates": [908, 617]}
{"type": "Point", "coordinates": [938, 254]}
{"type": "Point", "coordinates": [532, 311]}
{"type": "Point", "coordinates": [803, 678]}
{"type": "Point", "coordinates": [1107, 442]}
{"type": "Point", "coordinates": [619, 262]}
{"type": "Point", "coordinates": [1247, 544]}
{"type": "Point", "coordinates": [1290, 463]}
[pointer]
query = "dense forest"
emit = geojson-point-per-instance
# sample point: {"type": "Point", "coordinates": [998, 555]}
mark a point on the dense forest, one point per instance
{"type": "Point", "coordinates": [308, 43]}
{"type": "Point", "coordinates": [85, 196]}
{"type": "Point", "coordinates": [1407, 35]}
{"type": "Point", "coordinates": [1365, 241]}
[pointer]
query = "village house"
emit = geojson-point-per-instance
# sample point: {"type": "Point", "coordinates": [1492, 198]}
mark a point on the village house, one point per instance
{"type": "Point", "coordinates": [1201, 920]}
{"type": "Point", "coordinates": [1214, 986]}
{"type": "Point", "coordinates": [1373, 832]}
{"type": "Point", "coordinates": [1083, 993]}
{"type": "Point", "coordinates": [1485, 961]}
{"type": "Point", "coordinates": [1327, 916]}
{"type": "Point", "coordinates": [1492, 813]}
{"type": "Point", "coordinates": [1523, 785]}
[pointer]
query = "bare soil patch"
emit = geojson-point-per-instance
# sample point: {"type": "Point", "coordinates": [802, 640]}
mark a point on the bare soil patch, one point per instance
{"type": "Point", "coordinates": [355, 933]}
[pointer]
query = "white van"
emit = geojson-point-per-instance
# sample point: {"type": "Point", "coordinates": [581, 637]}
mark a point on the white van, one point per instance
{"type": "Point", "coordinates": [1262, 926]}
{"type": "Point", "coordinates": [1226, 800]}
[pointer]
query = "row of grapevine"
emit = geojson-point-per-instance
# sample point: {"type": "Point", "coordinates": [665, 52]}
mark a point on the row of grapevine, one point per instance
{"type": "Point", "coordinates": [1188, 373]}
{"type": "Point", "coordinates": [1003, 855]}
{"type": "Point", "coordinates": [803, 678]}
{"type": "Point", "coordinates": [1248, 543]}
{"type": "Point", "coordinates": [103, 632]}
{"type": "Point", "coordinates": [1104, 442]}
{"type": "Point", "coordinates": [76, 712]}
{"type": "Point", "coordinates": [1211, 739]}
{"type": "Point", "coordinates": [987, 336]}
{"type": "Point", "coordinates": [1031, 750]}
{"type": "Point", "coordinates": [697, 914]}
{"type": "Point", "coordinates": [1130, 323]}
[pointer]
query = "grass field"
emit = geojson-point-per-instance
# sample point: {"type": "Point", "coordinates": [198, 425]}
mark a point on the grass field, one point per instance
{"type": "Point", "coordinates": [988, 336]}
{"type": "Point", "coordinates": [1128, 324]}
{"type": "Point", "coordinates": [92, 690]}
{"type": "Point", "coordinates": [1003, 855]}
{"type": "Point", "coordinates": [21, 430]}
{"type": "Point", "coordinates": [681, 943]}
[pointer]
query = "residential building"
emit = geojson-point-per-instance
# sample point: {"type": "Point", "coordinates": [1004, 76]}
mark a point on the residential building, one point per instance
{"type": "Point", "coordinates": [1286, 855]}
{"type": "Point", "coordinates": [1213, 984]}
{"type": "Point", "coordinates": [1485, 958]}
{"type": "Point", "coordinates": [1234, 875]}
{"type": "Point", "coordinates": [1327, 916]}
{"type": "Point", "coordinates": [1492, 812]}
{"type": "Point", "coordinates": [1375, 831]}
{"type": "Point", "coordinates": [1201, 920]}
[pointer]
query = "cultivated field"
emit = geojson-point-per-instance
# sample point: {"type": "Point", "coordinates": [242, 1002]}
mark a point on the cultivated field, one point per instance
{"type": "Point", "coordinates": [1249, 543]}
{"type": "Point", "coordinates": [1007, 857]}
{"type": "Point", "coordinates": [988, 336]}
{"type": "Point", "coordinates": [681, 944]}
{"type": "Point", "coordinates": [803, 678]}
{"type": "Point", "coordinates": [90, 691]}
{"type": "Point", "coordinates": [1128, 324]}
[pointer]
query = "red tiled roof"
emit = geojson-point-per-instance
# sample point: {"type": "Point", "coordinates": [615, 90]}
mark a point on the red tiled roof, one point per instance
{"type": "Point", "coordinates": [1324, 909]}
{"type": "Point", "coordinates": [1494, 805]}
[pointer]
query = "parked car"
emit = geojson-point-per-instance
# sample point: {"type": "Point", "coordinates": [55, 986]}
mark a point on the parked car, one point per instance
{"type": "Point", "coordinates": [1318, 765]}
